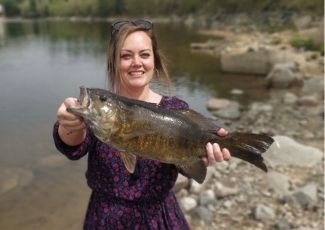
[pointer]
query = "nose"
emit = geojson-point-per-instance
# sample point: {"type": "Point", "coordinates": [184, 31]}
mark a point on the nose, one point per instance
{"type": "Point", "coordinates": [136, 61]}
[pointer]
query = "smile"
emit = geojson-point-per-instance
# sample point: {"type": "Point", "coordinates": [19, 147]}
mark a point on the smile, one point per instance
{"type": "Point", "coordinates": [136, 73]}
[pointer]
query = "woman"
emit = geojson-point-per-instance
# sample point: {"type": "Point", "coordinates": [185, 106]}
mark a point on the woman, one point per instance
{"type": "Point", "coordinates": [120, 200]}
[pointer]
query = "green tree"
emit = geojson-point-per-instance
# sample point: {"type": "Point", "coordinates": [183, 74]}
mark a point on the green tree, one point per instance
{"type": "Point", "coordinates": [11, 7]}
{"type": "Point", "coordinates": [119, 7]}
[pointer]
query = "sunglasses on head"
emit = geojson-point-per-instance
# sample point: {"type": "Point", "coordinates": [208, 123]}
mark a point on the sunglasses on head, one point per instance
{"type": "Point", "coordinates": [147, 25]}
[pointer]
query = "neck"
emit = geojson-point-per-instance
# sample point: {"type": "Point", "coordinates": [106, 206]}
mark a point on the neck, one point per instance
{"type": "Point", "coordinates": [139, 94]}
{"type": "Point", "coordinates": [143, 94]}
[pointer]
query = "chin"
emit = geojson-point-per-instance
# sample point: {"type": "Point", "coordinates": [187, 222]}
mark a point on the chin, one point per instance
{"type": "Point", "coordinates": [138, 82]}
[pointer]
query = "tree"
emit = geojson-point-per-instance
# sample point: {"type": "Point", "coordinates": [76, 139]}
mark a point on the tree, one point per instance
{"type": "Point", "coordinates": [119, 7]}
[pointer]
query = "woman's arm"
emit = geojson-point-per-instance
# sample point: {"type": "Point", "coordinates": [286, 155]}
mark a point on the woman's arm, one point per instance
{"type": "Point", "coordinates": [69, 133]}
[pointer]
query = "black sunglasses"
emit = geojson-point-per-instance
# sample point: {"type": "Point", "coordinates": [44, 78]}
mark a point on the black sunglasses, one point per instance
{"type": "Point", "coordinates": [145, 24]}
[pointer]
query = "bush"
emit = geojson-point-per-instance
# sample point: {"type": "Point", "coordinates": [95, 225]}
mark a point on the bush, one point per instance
{"type": "Point", "coordinates": [306, 44]}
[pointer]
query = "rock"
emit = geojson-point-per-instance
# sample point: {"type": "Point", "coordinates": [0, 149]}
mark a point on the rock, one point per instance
{"type": "Point", "coordinates": [204, 214]}
{"type": "Point", "coordinates": [308, 100]}
{"type": "Point", "coordinates": [228, 204]}
{"type": "Point", "coordinates": [279, 182]}
{"type": "Point", "coordinates": [305, 196]}
{"type": "Point", "coordinates": [231, 111]}
{"type": "Point", "coordinates": [182, 193]}
{"type": "Point", "coordinates": [257, 108]}
{"type": "Point", "coordinates": [283, 76]}
{"type": "Point", "coordinates": [209, 45]}
{"type": "Point", "coordinates": [181, 183]}
{"type": "Point", "coordinates": [237, 92]}
{"type": "Point", "coordinates": [188, 203]}
{"type": "Point", "coordinates": [216, 104]}
{"type": "Point", "coordinates": [283, 224]}
{"type": "Point", "coordinates": [222, 191]}
{"type": "Point", "coordinates": [197, 188]}
{"type": "Point", "coordinates": [207, 197]}
{"type": "Point", "coordinates": [286, 151]}
{"type": "Point", "coordinates": [222, 167]}
{"type": "Point", "coordinates": [264, 213]}
{"type": "Point", "coordinates": [256, 61]}
{"type": "Point", "coordinates": [314, 86]}
{"type": "Point", "coordinates": [290, 98]}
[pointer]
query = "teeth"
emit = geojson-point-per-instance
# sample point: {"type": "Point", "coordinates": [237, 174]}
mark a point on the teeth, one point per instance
{"type": "Point", "coordinates": [136, 73]}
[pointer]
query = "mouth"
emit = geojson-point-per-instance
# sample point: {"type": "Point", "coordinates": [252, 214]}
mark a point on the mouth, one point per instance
{"type": "Point", "coordinates": [136, 73]}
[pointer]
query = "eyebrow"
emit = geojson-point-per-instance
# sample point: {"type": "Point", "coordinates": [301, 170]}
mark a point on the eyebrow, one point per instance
{"type": "Point", "coordinates": [141, 51]}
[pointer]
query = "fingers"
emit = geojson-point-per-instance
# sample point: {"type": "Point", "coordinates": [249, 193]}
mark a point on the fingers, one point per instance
{"type": "Point", "coordinates": [68, 120]}
{"type": "Point", "coordinates": [216, 154]}
{"type": "Point", "coordinates": [222, 132]}
{"type": "Point", "coordinates": [226, 154]}
{"type": "Point", "coordinates": [73, 125]}
{"type": "Point", "coordinates": [210, 156]}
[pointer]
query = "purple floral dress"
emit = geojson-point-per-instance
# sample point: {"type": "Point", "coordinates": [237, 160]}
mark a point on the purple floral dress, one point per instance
{"type": "Point", "coordinates": [120, 200]}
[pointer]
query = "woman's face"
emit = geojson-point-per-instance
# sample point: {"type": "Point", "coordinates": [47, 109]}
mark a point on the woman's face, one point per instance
{"type": "Point", "coordinates": [136, 60]}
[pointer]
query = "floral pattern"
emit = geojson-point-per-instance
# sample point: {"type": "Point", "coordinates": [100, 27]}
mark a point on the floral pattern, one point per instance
{"type": "Point", "coordinates": [120, 200]}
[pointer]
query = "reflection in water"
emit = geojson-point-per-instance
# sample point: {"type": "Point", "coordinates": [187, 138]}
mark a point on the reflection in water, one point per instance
{"type": "Point", "coordinates": [41, 63]}
{"type": "Point", "coordinates": [2, 31]}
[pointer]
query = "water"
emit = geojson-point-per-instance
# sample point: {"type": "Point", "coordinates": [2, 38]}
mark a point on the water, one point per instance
{"type": "Point", "coordinates": [43, 62]}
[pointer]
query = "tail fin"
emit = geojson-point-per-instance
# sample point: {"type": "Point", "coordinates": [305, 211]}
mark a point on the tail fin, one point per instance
{"type": "Point", "coordinates": [247, 146]}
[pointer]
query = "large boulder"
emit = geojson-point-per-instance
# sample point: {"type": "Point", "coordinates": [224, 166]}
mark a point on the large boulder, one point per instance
{"type": "Point", "coordinates": [286, 151]}
{"type": "Point", "coordinates": [253, 61]}
{"type": "Point", "coordinates": [284, 75]}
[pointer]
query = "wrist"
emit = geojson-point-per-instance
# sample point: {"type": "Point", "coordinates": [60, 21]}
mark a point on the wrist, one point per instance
{"type": "Point", "coordinates": [71, 137]}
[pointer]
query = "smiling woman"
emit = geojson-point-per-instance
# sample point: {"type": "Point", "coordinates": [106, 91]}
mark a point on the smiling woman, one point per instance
{"type": "Point", "coordinates": [143, 199]}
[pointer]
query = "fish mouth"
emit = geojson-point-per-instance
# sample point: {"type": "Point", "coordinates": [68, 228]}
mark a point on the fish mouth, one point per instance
{"type": "Point", "coordinates": [84, 100]}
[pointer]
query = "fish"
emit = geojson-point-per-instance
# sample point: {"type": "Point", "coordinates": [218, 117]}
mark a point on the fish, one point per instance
{"type": "Point", "coordinates": [174, 136]}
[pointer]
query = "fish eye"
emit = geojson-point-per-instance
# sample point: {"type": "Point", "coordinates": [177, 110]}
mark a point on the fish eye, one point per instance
{"type": "Point", "coordinates": [103, 98]}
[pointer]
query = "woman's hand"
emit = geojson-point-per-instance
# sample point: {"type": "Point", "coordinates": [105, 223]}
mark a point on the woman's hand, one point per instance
{"type": "Point", "coordinates": [214, 153]}
{"type": "Point", "coordinates": [72, 129]}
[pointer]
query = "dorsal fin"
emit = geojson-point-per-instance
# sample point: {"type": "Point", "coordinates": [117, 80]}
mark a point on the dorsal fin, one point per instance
{"type": "Point", "coordinates": [204, 122]}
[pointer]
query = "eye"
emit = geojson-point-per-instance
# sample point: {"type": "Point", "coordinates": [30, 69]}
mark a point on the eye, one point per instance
{"type": "Point", "coordinates": [145, 55]}
{"type": "Point", "coordinates": [103, 98]}
{"type": "Point", "coordinates": [125, 56]}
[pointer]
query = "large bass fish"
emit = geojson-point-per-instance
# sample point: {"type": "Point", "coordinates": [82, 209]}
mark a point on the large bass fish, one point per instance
{"type": "Point", "coordinates": [179, 137]}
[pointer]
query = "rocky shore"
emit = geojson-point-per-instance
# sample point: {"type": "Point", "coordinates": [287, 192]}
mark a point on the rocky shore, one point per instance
{"type": "Point", "coordinates": [236, 195]}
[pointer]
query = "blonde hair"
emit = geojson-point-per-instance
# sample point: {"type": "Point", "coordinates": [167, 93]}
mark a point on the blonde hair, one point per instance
{"type": "Point", "coordinates": [114, 51]}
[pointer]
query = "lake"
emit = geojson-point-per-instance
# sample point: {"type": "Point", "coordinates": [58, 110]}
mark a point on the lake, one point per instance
{"type": "Point", "coordinates": [43, 62]}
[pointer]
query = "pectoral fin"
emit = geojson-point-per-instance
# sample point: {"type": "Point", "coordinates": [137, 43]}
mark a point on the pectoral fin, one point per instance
{"type": "Point", "coordinates": [196, 170]}
{"type": "Point", "coordinates": [129, 161]}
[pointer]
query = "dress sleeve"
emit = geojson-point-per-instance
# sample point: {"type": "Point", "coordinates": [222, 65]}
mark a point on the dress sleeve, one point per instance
{"type": "Point", "coordinates": [72, 152]}
{"type": "Point", "coordinates": [174, 103]}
